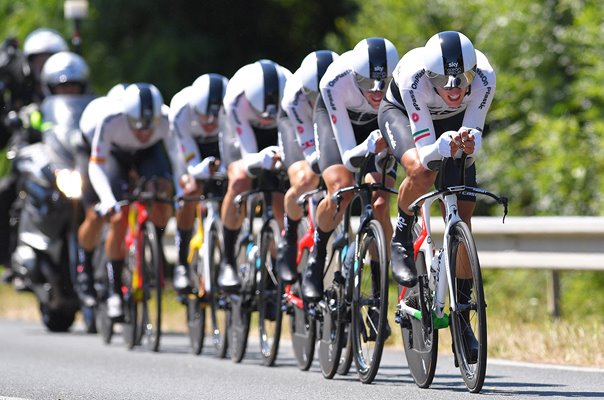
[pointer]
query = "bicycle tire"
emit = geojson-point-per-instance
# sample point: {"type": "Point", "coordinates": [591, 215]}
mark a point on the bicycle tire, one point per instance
{"type": "Point", "coordinates": [104, 323]}
{"type": "Point", "coordinates": [218, 299]}
{"type": "Point", "coordinates": [472, 371]}
{"type": "Point", "coordinates": [369, 301]}
{"type": "Point", "coordinates": [303, 331]}
{"type": "Point", "coordinates": [420, 339]}
{"type": "Point", "coordinates": [132, 299]}
{"type": "Point", "coordinates": [196, 313]}
{"type": "Point", "coordinates": [152, 286]}
{"type": "Point", "coordinates": [242, 303]}
{"type": "Point", "coordinates": [270, 295]}
{"type": "Point", "coordinates": [346, 355]}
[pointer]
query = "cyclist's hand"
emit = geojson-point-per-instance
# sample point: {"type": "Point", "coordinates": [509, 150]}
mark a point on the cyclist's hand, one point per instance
{"type": "Point", "coordinates": [380, 145]}
{"type": "Point", "coordinates": [188, 184]}
{"type": "Point", "coordinates": [466, 140]}
{"type": "Point", "coordinates": [277, 162]}
{"type": "Point", "coordinates": [204, 169]}
{"type": "Point", "coordinates": [107, 210]}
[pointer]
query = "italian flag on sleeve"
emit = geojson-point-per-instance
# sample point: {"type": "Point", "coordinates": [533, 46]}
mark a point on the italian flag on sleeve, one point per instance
{"type": "Point", "coordinates": [421, 134]}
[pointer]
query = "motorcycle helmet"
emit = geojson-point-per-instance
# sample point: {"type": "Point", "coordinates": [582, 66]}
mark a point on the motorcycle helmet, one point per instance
{"type": "Point", "coordinates": [373, 61]}
{"type": "Point", "coordinates": [142, 104]}
{"type": "Point", "coordinates": [44, 40]}
{"type": "Point", "coordinates": [207, 93]}
{"type": "Point", "coordinates": [62, 68]}
{"type": "Point", "coordinates": [450, 60]}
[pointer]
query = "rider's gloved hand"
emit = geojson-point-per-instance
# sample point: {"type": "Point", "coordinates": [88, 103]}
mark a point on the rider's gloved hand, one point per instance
{"type": "Point", "coordinates": [264, 159]}
{"type": "Point", "coordinates": [203, 170]}
{"type": "Point", "coordinates": [313, 161]}
{"type": "Point", "coordinates": [104, 209]}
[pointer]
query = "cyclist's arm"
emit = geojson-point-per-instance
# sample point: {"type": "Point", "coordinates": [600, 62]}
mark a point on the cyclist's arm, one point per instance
{"type": "Point", "coordinates": [299, 112]}
{"type": "Point", "coordinates": [97, 167]}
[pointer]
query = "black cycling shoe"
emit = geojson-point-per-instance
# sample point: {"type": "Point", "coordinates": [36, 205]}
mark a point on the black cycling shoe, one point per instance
{"type": "Point", "coordinates": [286, 261]}
{"type": "Point", "coordinates": [403, 265]}
{"type": "Point", "coordinates": [312, 283]}
{"type": "Point", "coordinates": [228, 278]}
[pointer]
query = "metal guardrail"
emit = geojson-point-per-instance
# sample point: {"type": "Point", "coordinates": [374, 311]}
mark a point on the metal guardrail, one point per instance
{"type": "Point", "coordinates": [549, 243]}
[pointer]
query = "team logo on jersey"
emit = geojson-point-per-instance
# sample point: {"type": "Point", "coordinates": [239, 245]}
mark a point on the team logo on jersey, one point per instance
{"type": "Point", "coordinates": [300, 129]}
{"type": "Point", "coordinates": [415, 117]}
{"type": "Point", "coordinates": [333, 118]}
{"type": "Point", "coordinates": [239, 130]}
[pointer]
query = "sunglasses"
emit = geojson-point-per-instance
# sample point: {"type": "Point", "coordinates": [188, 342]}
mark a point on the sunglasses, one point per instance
{"type": "Point", "coordinates": [462, 80]}
{"type": "Point", "coordinates": [371, 85]}
{"type": "Point", "coordinates": [142, 124]}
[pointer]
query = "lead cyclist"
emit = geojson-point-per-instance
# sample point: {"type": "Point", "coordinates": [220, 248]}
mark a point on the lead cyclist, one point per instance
{"type": "Point", "coordinates": [435, 107]}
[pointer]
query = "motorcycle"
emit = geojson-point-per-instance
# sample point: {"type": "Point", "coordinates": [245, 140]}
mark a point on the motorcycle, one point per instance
{"type": "Point", "coordinates": [50, 189]}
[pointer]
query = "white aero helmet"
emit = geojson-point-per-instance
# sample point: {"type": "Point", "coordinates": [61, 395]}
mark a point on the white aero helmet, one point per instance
{"type": "Point", "coordinates": [206, 94]}
{"type": "Point", "coordinates": [373, 61]}
{"type": "Point", "coordinates": [450, 60]}
{"type": "Point", "coordinates": [264, 88]}
{"type": "Point", "coordinates": [142, 104]}
{"type": "Point", "coordinates": [64, 67]}
{"type": "Point", "coordinates": [117, 91]}
{"type": "Point", "coordinates": [44, 40]}
{"type": "Point", "coordinates": [313, 68]}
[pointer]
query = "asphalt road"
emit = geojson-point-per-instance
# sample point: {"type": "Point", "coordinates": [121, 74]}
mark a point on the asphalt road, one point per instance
{"type": "Point", "coordinates": [35, 364]}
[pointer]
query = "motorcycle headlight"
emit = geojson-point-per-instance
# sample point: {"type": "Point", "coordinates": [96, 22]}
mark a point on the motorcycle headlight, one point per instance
{"type": "Point", "coordinates": [69, 183]}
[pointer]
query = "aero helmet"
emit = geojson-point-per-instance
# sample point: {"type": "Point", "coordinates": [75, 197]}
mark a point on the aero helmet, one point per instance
{"type": "Point", "coordinates": [142, 104]}
{"type": "Point", "coordinates": [450, 60]}
{"type": "Point", "coordinates": [313, 68]}
{"type": "Point", "coordinates": [264, 88]}
{"type": "Point", "coordinates": [207, 93]}
{"type": "Point", "coordinates": [373, 62]}
{"type": "Point", "coordinates": [64, 67]}
{"type": "Point", "coordinates": [117, 91]}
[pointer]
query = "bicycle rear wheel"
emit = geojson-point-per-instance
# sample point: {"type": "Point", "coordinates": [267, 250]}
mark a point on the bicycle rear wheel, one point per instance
{"type": "Point", "coordinates": [196, 313]}
{"type": "Point", "coordinates": [370, 301]}
{"type": "Point", "coordinates": [420, 338]}
{"type": "Point", "coordinates": [219, 311]}
{"type": "Point", "coordinates": [270, 295]}
{"type": "Point", "coordinates": [470, 317]}
{"type": "Point", "coordinates": [152, 286]}
{"type": "Point", "coordinates": [302, 326]}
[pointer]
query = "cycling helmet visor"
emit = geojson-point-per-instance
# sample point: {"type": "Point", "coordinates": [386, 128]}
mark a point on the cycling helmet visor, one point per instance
{"type": "Point", "coordinates": [371, 85]}
{"type": "Point", "coordinates": [462, 80]}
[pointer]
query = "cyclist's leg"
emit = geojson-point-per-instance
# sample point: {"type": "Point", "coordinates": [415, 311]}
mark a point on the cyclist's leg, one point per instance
{"type": "Point", "coordinates": [302, 180]}
{"type": "Point", "coordinates": [185, 221]}
{"type": "Point", "coordinates": [335, 176]}
{"type": "Point", "coordinates": [396, 128]}
{"type": "Point", "coordinates": [117, 173]}
{"type": "Point", "coordinates": [232, 219]}
{"type": "Point", "coordinates": [89, 233]}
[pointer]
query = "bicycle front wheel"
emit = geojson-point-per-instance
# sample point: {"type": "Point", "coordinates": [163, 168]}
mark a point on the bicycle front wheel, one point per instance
{"type": "Point", "coordinates": [270, 295]}
{"type": "Point", "coordinates": [243, 302]}
{"type": "Point", "coordinates": [370, 301]}
{"type": "Point", "coordinates": [218, 299]}
{"type": "Point", "coordinates": [196, 313]}
{"type": "Point", "coordinates": [469, 319]}
{"type": "Point", "coordinates": [152, 286]}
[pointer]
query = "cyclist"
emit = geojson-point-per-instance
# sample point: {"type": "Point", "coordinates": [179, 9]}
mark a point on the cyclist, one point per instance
{"type": "Point", "coordinates": [435, 107]}
{"type": "Point", "coordinates": [346, 122]}
{"type": "Point", "coordinates": [135, 138]}
{"type": "Point", "coordinates": [195, 114]}
{"type": "Point", "coordinates": [297, 143]}
{"type": "Point", "coordinates": [90, 230]}
{"type": "Point", "coordinates": [252, 105]}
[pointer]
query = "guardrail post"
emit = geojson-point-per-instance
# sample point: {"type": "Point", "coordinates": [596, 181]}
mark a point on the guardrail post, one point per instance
{"type": "Point", "coordinates": [553, 300]}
